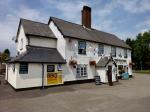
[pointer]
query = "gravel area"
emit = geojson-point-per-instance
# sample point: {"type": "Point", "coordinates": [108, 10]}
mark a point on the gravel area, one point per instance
{"type": "Point", "coordinates": [131, 95]}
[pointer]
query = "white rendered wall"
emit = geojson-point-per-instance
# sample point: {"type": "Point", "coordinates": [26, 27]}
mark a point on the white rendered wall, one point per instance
{"type": "Point", "coordinates": [61, 43]}
{"type": "Point", "coordinates": [68, 47]}
{"type": "Point", "coordinates": [32, 79]}
{"type": "Point", "coordinates": [11, 76]}
{"type": "Point", "coordinates": [21, 36]}
{"type": "Point", "coordinates": [43, 42]}
{"type": "Point", "coordinates": [129, 61]}
{"type": "Point", "coordinates": [102, 72]}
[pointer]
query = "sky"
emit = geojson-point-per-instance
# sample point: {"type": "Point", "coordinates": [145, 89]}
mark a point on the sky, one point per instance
{"type": "Point", "coordinates": [124, 18]}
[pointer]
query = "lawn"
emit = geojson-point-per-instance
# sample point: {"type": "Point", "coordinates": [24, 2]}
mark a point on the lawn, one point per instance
{"type": "Point", "coordinates": [143, 71]}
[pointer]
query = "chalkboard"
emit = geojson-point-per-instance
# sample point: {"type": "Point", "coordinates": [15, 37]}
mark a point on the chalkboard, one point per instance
{"type": "Point", "coordinates": [97, 80]}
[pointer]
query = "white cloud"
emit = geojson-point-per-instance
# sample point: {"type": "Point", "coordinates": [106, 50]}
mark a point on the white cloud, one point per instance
{"type": "Point", "coordinates": [9, 25]}
{"type": "Point", "coordinates": [69, 10]}
{"type": "Point", "coordinates": [135, 6]}
{"type": "Point", "coordinates": [144, 24]}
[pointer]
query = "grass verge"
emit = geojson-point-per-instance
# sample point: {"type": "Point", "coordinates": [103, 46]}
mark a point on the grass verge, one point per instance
{"type": "Point", "coordinates": [143, 71]}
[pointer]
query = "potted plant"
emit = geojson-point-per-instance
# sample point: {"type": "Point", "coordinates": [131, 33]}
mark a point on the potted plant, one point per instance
{"type": "Point", "coordinates": [73, 63]}
{"type": "Point", "coordinates": [92, 63]}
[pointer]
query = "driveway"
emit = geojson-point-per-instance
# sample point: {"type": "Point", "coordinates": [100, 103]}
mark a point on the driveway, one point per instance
{"type": "Point", "coordinates": [131, 95]}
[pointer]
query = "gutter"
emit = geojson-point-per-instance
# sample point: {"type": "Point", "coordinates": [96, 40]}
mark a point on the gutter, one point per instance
{"type": "Point", "coordinates": [42, 76]}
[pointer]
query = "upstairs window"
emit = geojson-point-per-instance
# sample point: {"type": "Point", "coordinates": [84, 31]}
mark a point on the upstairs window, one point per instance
{"type": "Point", "coordinates": [81, 70]}
{"type": "Point", "coordinates": [82, 47]}
{"type": "Point", "coordinates": [23, 68]}
{"type": "Point", "coordinates": [113, 51]}
{"type": "Point", "coordinates": [21, 44]}
{"type": "Point", "coordinates": [100, 49]}
{"type": "Point", "coordinates": [125, 53]}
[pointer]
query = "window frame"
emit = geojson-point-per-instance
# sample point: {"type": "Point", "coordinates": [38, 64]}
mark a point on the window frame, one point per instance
{"type": "Point", "coordinates": [79, 43]}
{"type": "Point", "coordinates": [125, 53]}
{"type": "Point", "coordinates": [13, 65]}
{"type": "Point", "coordinates": [81, 71]}
{"type": "Point", "coordinates": [21, 44]}
{"type": "Point", "coordinates": [100, 51]}
{"type": "Point", "coordinates": [113, 49]}
{"type": "Point", "coordinates": [23, 68]}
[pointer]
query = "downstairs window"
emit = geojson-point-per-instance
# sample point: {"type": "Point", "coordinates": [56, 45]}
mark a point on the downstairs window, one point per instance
{"type": "Point", "coordinates": [81, 70]}
{"type": "Point", "coordinates": [23, 68]}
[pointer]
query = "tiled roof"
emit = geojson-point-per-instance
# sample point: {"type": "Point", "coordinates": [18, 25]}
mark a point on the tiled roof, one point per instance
{"type": "Point", "coordinates": [36, 29]}
{"type": "Point", "coordinates": [73, 30]}
{"type": "Point", "coordinates": [39, 55]}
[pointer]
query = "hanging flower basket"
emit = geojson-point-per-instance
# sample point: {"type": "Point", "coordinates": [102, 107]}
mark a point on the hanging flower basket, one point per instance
{"type": "Point", "coordinates": [72, 62]}
{"type": "Point", "coordinates": [131, 63]}
{"type": "Point", "coordinates": [92, 63]}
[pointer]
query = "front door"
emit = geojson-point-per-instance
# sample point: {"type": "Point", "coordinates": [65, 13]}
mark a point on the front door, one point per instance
{"type": "Point", "coordinates": [109, 74]}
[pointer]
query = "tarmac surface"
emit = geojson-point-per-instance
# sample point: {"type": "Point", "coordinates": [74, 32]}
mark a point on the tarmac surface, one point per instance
{"type": "Point", "coordinates": [131, 95]}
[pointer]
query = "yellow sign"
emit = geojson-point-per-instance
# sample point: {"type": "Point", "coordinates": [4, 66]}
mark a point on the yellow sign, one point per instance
{"type": "Point", "coordinates": [54, 78]}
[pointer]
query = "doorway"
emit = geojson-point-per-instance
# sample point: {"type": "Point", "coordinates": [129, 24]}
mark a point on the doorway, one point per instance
{"type": "Point", "coordinates": [109, 74]}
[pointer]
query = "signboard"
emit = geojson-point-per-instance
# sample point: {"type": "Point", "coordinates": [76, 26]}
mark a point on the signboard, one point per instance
{"type": "Point", "coordinates": [97, 80]}
{"type": "Point", "coordinates": [50, 68]}
{"type": "Point", "coordinates": [54, 75]}
{"type": "Point", "coordinates": [52, 78]}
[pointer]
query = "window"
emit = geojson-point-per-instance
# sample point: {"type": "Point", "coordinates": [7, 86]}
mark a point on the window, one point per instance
{"type": "Point", "coordinates": [81, 70]}
{"type": "Point", "coordinates": [13, 67]}
{"type": "Point", "coordinates": [23, 68]}
{"type": "Point", "coordinates": [81, 47]}
{"type": "Point", "coordinates": [125, 53]}
{"type": "Point", "coordinates": [100, 49]}
{"type": "Point", "coordinates": [113, 51]}
{"type": "Point", "coordinates": [21, 44]}
{"type": "Point", "coordinates": [50, 68]}
{"type": "Point", "coordinates": [59, 67]}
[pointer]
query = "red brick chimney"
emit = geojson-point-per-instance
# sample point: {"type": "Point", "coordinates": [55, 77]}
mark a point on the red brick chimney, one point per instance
{"type": "Point", "coordinates": [86, 16]}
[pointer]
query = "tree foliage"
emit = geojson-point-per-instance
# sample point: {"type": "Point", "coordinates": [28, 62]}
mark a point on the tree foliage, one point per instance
{"type": "Point", "coordinates": [5, 55]}
{"type": "Point", "coordinates": [140, 50]}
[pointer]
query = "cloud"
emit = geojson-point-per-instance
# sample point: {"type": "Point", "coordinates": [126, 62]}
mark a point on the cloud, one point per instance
{"type": "Point", "coordinates": [135, 6]}
{"type": "Point", "coordinates": [106, 15]}
{"type": "Point", "coordinates": [69, 10]}
{"type": "Point", "coordinates": [9, 25]}
{"type": "Point", "coordinates": [143, 24]}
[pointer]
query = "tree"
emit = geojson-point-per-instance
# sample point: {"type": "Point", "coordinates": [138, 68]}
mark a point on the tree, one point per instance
{"type": "Point", "coordinates": [6, 51]}
{"type": "Point", "coordinates": [5, 55]}
{"type": "Point", "coordinates": [140, 50]}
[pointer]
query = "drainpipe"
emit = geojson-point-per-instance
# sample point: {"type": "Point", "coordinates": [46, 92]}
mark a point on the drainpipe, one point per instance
{"type": "Point", "coordinates": [7, 72]}
{"type": "Point", "coordinates": [42, 76]}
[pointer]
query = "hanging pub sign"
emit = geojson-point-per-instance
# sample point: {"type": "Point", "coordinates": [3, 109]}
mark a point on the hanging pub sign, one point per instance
{"type": "Point", "coordinates": [59, 67]}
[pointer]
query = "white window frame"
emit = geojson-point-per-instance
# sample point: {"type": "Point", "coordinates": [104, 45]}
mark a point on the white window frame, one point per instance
{"type": "Point", "coordinates": [125, 53]}
{"type": "Point", "coordinates": [100, 49]}
{"type": "Point", "coordinates": [81, 70]}
{"type": "Point", "coordinates": [113, 51]}
{"type": "Point", "coordinates": [21, 47]}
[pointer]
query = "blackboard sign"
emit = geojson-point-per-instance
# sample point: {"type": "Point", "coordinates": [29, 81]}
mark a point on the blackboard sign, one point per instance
{"type": "Point", "coordinates": [50, 68]}
{"type": "Point", "coordinates": [97, 80]}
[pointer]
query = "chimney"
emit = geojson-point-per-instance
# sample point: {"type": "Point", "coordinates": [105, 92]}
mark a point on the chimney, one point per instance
{"type": "Point", "coordinates": [86, 16]}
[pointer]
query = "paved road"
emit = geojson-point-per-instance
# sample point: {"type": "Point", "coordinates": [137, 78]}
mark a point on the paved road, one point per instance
{"type": "Point", "coordinates": [131, 95]}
